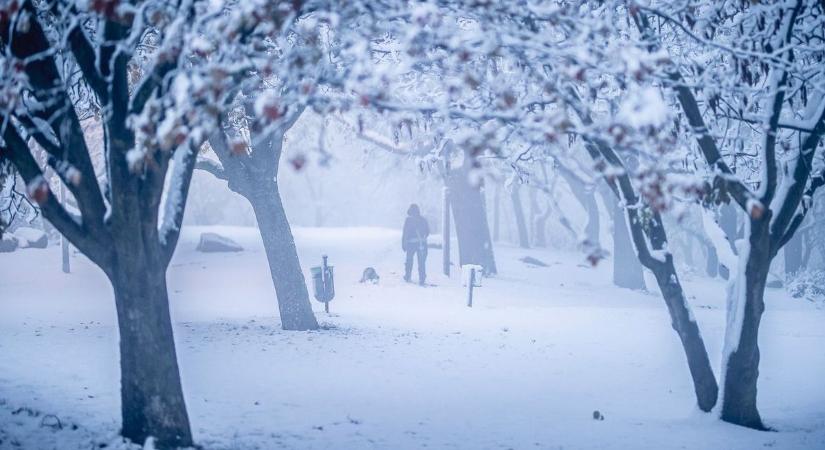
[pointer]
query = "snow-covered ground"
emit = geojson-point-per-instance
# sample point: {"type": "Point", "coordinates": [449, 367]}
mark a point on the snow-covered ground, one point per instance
{"type": "Point", "coordinates": [397, 366]}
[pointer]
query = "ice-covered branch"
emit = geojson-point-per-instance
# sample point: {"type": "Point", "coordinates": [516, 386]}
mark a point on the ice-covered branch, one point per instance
{"type": "Point", "coordinates": [177, 192]}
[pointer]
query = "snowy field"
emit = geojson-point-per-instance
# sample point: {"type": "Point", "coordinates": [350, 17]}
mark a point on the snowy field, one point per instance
{"type": "Point", "coordinates": [397, 366]}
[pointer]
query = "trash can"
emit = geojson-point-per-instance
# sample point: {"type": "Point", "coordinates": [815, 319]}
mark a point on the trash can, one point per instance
{"type": "Point", "coordinates": [323, 283]}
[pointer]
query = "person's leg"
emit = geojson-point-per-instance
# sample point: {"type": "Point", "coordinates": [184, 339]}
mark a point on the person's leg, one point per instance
{"type": "Point", "coordinates": [408, 265]}
{"type": "Point", "coordinates": [422, 265]}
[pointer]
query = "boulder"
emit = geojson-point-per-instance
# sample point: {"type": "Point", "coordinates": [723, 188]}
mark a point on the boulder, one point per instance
{"type": "Point", "coordinates": [213, 242]}
{"type": "Point", "coordinates": [775, 283]}
{"type": "Point", "coordinates": [530, 261]}
{"type": "Point", "coordinates": [8, 243]}
{"type": "Point", "coordinates": [31, 237]}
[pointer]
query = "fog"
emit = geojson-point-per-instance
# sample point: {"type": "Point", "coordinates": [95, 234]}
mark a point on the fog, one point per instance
{"type": "Point", "coordinates": [345, 181]}
{"type": "Point", "coordinates": [412, 224]}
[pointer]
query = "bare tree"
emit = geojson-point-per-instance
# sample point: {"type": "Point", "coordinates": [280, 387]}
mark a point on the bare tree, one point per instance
{"type": "Point", "coordinates": [775, 86]}
{"type": "Point", "coordinates": [160, 86]}
{"type": "Point", "coordinates": [251, 170]}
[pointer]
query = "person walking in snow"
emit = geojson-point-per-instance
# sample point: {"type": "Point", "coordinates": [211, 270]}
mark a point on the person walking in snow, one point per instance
{"type": "Point", "coordinates": [414, 243]}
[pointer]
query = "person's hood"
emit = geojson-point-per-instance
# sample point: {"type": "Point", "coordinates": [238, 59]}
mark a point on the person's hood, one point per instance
{"type": "Point", "coordinates": [413, 211]}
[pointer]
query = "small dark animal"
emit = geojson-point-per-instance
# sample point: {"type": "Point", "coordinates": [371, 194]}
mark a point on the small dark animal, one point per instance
{"type": "Point", "coordinates": [370, 275]}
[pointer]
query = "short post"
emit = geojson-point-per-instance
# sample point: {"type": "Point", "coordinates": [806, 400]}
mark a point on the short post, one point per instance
{"type": "Point", "coordinates": [470, 285]}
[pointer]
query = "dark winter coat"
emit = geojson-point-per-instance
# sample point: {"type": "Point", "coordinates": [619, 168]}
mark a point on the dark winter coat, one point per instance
{"type": "Point", "coordinates": [416, 230]}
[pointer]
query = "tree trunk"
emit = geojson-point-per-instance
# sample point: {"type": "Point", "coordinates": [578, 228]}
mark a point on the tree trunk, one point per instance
{"type": "Point", "coordinates": [741, 367]}
{"type": "Point", "coordinates": [627, 270]}
{"type": "Point", "coordinates": [728, 223]}
{"type": "Point", "coordinates": [445, 230]}
{"type": "Point", "coordinates": [704, 382]}
{"type": "Point", "coordinates": [682, 321]}
{"type": "Point", "coordinates": [540, 227]}
{"type": "Point", "coordinates": [290, 285]}
{"type": "Point", "coordinates": [807, 246]}
{"type": "Point", "coordinates": [687, 251]}
{"type": "Point", "coordinates": [471, 229]}
{"type": "Point", "coordinates": [521, 222]}
{"type": "Point", "coordinates": [712, 261]}
{"type": "Point", "coordinates": [793, 255]}
{"type": "Point", "coordinates": [496, 212]}
{"type": "Point", "coordinates": [651, 231]}
{"type": "Point", "coordinates": [591, 230]}
{"type": "Point", "coordinates": [64, 243]}
{"type": "Point", "coordinates": [152, 401]}
{"type": "Point", "coordinates": [588, 201]}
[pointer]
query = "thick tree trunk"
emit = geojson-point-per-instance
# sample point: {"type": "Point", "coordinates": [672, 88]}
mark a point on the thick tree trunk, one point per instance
{"type": "Point", "coordinates": [741, 366]}
{"type": "Point", "coordinates": [290, 285]}
{"type": "Point", "coordinates": [472, 231]}
{"type": "Point", "coordinates": [152, 401]}
{"type": "Point", "coordinates": [521, 222]}
{"type": "Point", "coordinates": [627, 270]}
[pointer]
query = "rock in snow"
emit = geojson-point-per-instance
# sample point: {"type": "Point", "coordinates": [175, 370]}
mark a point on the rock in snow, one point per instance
{"type": "Point", "coordinates": [530, 261]}
{"type": "Point", "coordinates": [775, 283]}
{"type": "Point", "coordinates": [213, 242]}
{"type": "Point", "coordinates": [31, 237]}
{"type": "Point", "coordinates": [8, 244]}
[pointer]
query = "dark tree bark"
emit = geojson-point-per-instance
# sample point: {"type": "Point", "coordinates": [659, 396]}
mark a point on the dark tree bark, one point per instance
{"type": "Point", "coordinates": [650, 234]}
{"type": "Point", "coordinates": [150, 385]}
{"type": "Point", "coordinates": [742, 364]}
{"type": "Point", "coordinates": [472, 231]}
{"type": "Point", "coordinates": [704, 381]}
{"type": "Point", "coordinates": [518, 211]}
{"type": "Point", "coordinates": [774, 218]}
